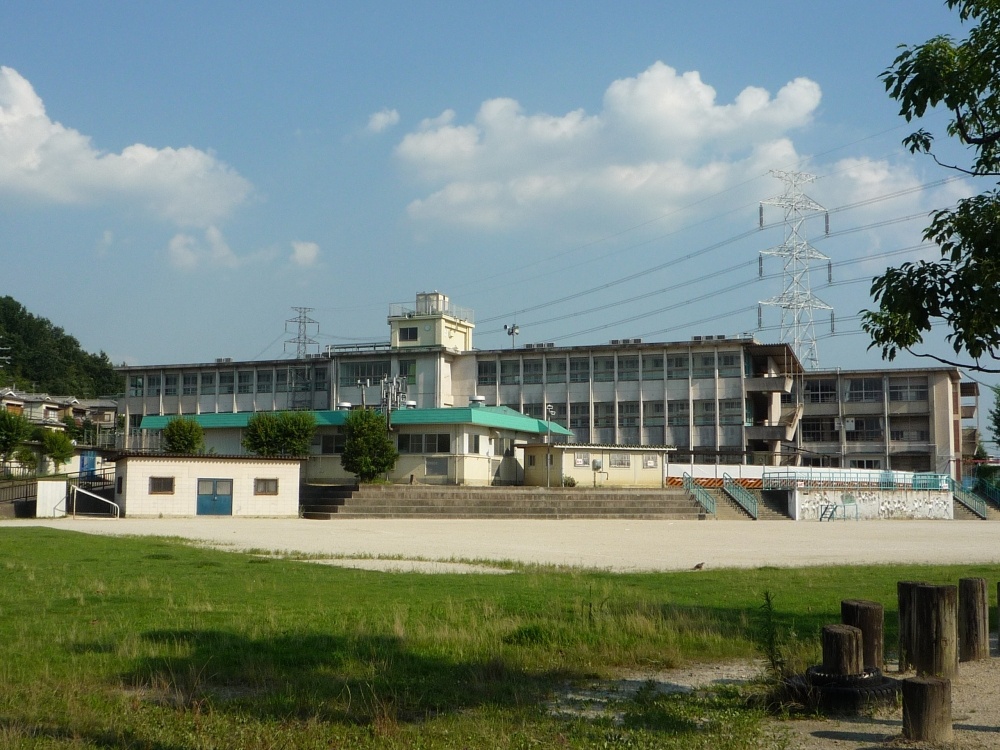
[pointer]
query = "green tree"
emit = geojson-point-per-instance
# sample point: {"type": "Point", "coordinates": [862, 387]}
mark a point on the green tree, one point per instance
{"type": "Point", "coordinates": [280, 433]}
{"type": "Point", "coordinates": [58, 447]}
{"type": "Point", "coordinates": [368, 451]}
{"type": "Point", "coordinates": [27, 457]}
{"type": "Point", "coordinates": [183, 435]}
{"type": "Point", "coordinates": [14, 430]}
{"type": "Point", "coordinates": [962, 288]}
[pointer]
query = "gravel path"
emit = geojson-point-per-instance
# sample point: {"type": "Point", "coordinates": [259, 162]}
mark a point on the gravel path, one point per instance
{"type": "Point", "coordinates": [611, 545]}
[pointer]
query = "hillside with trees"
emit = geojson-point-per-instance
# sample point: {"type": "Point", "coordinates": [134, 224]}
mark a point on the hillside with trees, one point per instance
{"type": "Point", "coordinates": [43, 358]}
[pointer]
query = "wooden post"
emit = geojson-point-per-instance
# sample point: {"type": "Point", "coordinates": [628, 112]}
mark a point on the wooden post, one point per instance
{"type": "Point", "coordinates": [904, 595]}
{"type": "Point", "coordinates": [973, 620]}
{"type": "Point", "coordinates": [927, 709]}
{"type": "Point", "coordinates": [842, 650]}
{"type": "Point", "coordinates": [935, 631]}
{"type": "Point", "coordinates": [870, 618]}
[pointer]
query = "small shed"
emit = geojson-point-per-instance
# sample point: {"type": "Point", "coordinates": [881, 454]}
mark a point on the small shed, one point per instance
{"type": "Point", "coordinates": [163, 484]}
{"type": "Point", "coordinates": [558, 464]}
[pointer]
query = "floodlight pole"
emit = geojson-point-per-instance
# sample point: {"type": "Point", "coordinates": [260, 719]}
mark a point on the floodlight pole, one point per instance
{"type": "Point", "coordinates": [550, 410]}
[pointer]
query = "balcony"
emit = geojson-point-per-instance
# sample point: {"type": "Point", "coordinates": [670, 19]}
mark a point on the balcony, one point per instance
{"type": "Point", "coordinates": [769, 384]}
{"type": "Point", "coordinates": [784, 430]}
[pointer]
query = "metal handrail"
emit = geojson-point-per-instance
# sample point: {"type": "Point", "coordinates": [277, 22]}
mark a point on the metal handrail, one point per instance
{"type": "Point", "coordinates": [989, 490]}
{"type": "Point", "coordinates": [116, 509]}
{"type": "Point", "coordinates": [740, 494]}
{"type": "Point", "coordinates": [703, 496]}
{"type": "Point", "coordinates": [975, 504]}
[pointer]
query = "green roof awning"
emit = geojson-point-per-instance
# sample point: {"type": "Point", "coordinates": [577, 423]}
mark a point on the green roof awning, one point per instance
{"type": "Point", "coordinates": [498, 417]}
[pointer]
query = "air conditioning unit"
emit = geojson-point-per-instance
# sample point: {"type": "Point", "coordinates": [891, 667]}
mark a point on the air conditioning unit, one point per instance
{"type": "Point", "coordinates": [223, 360]}
{"type": "Point", "coordinates": [697, 338]}
{"type": "Point", "coordinates": [529, 346]}
{"type": "Point", "coordinates": [615, 342]}
{"type": "Point", "coordinates": [550, 345]}
{"type": "Point", "coordinates": [636, 341]}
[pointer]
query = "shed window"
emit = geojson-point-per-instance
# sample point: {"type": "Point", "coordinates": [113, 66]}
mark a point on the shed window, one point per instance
{"type": "Point", "coordinates": [265, 486]}
{"type": "Point", "coordinates": [161, 485]}
{"type": "Point", "coordinates": [620, 460]}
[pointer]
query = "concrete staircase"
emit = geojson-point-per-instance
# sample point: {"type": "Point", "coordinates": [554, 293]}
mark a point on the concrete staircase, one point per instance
{"type": "Point", "coordinates": [322, 502]}
{"type": "Point", "coordinates": [768, 509]}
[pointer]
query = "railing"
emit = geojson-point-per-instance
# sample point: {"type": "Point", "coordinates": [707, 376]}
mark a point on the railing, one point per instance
{"type": "Point", "coordinates": [22, 489]}
{"type": "Point", "coordinates": [703, 496]}
{"type": "Point", "coordinates": [74, 491]}
{"type": "Point", "coordinates": [974, 503]}
{"type": "Point", "coordinates": [787, 479]}
{"type": "Point", "coordinates": [743, 497]}
{"type": "Point", "coordinates": [988, 490]}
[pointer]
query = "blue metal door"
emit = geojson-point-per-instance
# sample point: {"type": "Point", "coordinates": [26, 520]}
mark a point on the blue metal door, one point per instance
{"type": "Point", "coordinates": [215, 497]}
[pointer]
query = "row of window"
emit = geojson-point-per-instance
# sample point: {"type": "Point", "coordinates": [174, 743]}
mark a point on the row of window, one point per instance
{"type": "Point", "coordinates": [608, 368]}
{"type": "Point", "coordinates": [732, 411]}
{"type": "Point", "coordinates": [261, 486]}
{"type": "Point", "coordinates": [372, 372]}
{"type": "Point", "coordinates": [865, 390]}
{"type": "Point", "coordinates": [865, 429]}
{"type": "Point", "coordinates": [293, 379]}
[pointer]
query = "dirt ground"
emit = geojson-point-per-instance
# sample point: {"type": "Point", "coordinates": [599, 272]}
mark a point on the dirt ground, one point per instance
{"type": "Point", "coordinates": [975, 707]}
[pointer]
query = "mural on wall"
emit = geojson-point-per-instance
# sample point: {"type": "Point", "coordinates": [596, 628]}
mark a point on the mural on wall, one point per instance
{"type": "Point", "coordinates": [874, 504]}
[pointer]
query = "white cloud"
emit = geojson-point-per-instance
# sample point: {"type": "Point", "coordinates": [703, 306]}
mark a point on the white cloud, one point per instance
{"type": "Point", "coordinates": [187, 252]}
{"type": "Point", "coordinates": [383, 120]}
{"type": "Point", "coordinates": [49, 161]}
{"type": "Point", "coordinates": [661, 140]}
{"type": "Point", "coordinates": [305, 254]}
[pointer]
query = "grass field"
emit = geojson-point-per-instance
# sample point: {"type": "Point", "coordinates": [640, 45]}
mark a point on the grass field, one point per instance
{"type": "Point", "coordinates": [150, 643]}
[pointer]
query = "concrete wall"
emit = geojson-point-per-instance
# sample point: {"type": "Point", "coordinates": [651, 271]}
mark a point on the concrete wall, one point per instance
{"type": "Point", "coordinates": [134, 473]}
{"type": "Point", "coordinates": [874, 504]}
{"type": "Point", "coordinates": [51, 499]}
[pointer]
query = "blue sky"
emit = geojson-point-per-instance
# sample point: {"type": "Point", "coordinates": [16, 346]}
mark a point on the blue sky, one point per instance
{"type": "Point", "coordinates": [174, 178]}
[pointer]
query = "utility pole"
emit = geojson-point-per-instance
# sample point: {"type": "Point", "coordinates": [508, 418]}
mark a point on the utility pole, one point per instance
{"type": "Point", "coordinates": [797, 302]}
{"type": "Point", "coordinates": [512, 330]}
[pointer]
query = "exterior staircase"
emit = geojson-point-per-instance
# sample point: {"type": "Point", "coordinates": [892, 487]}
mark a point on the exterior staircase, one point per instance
{"type": "Point", "coordinates": [323, 502]}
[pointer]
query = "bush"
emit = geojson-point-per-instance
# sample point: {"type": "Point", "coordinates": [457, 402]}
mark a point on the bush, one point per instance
{"type": "Point", "coordinates": [183, 435]}
{"type": "Point", "coordinates": [368, 450]}
{"type": "Point", "coordinates": [280, 433]}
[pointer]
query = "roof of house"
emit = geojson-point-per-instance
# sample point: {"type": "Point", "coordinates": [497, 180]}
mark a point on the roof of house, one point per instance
{"type": "Point", "coordinates": [498, 417]}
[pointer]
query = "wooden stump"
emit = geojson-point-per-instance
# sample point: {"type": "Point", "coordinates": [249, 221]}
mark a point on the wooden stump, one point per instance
{"type": "Point", "coordinates": [842, 650]}
{"type": "Point", "coordinates": [869, 617]}
{"type": "Point", "coordinates": [973, 620]}
{"type": "Point", "coordinates": [927, 709]}
{"type": "Point", "coordinates": [904, 595]}
{"type": "Point", "coordinates": [935, 631]}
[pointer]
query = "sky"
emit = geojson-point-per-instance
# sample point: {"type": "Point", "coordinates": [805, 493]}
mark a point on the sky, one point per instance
{"type": "Point", "coordinates": [175, 178]}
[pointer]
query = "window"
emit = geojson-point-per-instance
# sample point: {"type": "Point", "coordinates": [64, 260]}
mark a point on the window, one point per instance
{"type": "Point", "coordinates": [731, 411]}
{"type": "Point", "coordinates": [430, 443]}
{"type": "Point", "coordinates": [208, 384]}
{"type": "Point", "coordinates": [652, 413]}
{"type": "Point", "coordinates": [533, 410]}
{"type": "Point", "coordinates": [153, 385]}
{"type": "Point", "coordinates": [581, 460]}
{"type": "Point", "coordinates": [135, 385]}
{"type": "Point", "coordinates": [555, 370]}
{"type": "Point", "coordinates": [628, 368]}
{"type": "Point", "coordinates": [189, 384]}
{"type": "Point", "coordinates": [265, 381]}
{"type": "Point", "coordinates": [864, 390]}
{"type": "Point", "coordinates": [907, 389]}
{"type": "Point", "coordinates": [704, 365]}
{"type": "Point", "coordinates": [579, 414]}
{"type": "Point", "coordinates": [300, 380]}
{"type": "Point", "coordinates": [265, 486]}
{"type": "Point", "coordinates": [863, 429]}
{"type": "Point", "coordinates": [408, 333]}
{"type": "Point", "coordinates": [604, 369]}
{"type": "Point", "coordinates": [408, 370]}
{"type": "Point", "coordinates": [909, 429]}
{"type": "Point", "coordinates": [474, 444]}
{"type": "Point", "coordinates": [865, 463]}
{"type": "Point", "coordinates": [620, 461]}
{"type": "Point", "coordinates": [281, 381]}
{"type": "Point", "coordinates": [161, 485]}
{"type": "Point", "coordinates": [510, 372]}
{"type": "Point", "coordinates": [652, 367]}
{"type": "Point", "coordinates": [244, 383]}
{"type": "Point", "coordinates": [704, 412]}
{"type": "Point", "coordinates": [650, 461]}
{"type": "Point", "coordinates": [332, 443]}
{"type": "Point", "coordinates": [677, 367]}
{"type": "Point", "coordinates": [821, 391]}
{"type": "Point", "coordinates": [579, 369]}
{"type": "Point", "coordinates": [373, 371]}
{"type": "Point", "coordinates": [604, 414]}
{"type": "Point", "coordinates": [628, 414]}
{"type": "Point", "coordinates": [532, 371]}
{"type": "Point", "coordinates": [531, 460]}
{"type": "Point", "coordinates": [729, 364]}
{"type": "Point", "coordinates": [226, 382]}
{"type": "Point", "coordinates": [487, 373]}
{"type": "Point", "coordinates": [678, 413]}
{"type": "Point", "coordinates": [436, 467]}
{"type": "Point", "coordinates": [169, 385]}
{"type": "Point", "coordinates": [819, 430]}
